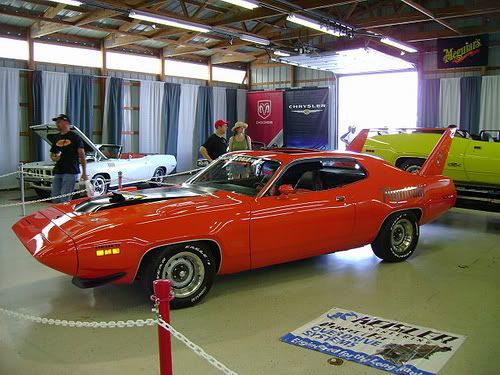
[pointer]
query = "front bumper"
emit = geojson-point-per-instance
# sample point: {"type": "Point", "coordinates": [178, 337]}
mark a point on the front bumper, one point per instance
{"type": "Point", "coordinates": [43, 237]}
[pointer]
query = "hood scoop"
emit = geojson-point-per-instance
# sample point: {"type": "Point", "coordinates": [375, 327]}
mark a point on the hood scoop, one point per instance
{"type": "Point", "coordinates": [122, 199]}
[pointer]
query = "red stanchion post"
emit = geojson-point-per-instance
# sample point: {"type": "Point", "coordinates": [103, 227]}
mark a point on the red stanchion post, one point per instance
{"type": "Point", "coordinates": [162, 293]}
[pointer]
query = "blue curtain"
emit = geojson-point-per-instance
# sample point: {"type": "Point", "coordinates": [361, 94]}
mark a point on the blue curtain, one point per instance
{"type": "Point", "coordinates": [115, 110]}
{"type": "Point", "coordinates": [170, 118]}
{"type": "Point", "coordinates": [36, 92]}
{"type": "Point", "coordinates": [204, 115]}
{"type": "Point", "coordinates": [428, 103]}
{"type": "Point", "coordinates": [470, 103]}
{"type": "Point", "coordinates": [81, 102]}
{"type": "Point", "coordinates": [231, 110]}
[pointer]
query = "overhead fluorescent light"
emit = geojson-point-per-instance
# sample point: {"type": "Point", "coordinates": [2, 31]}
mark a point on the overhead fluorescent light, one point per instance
{"type": "Point", "coordinates": [313, 24]}
{"type": "Point", "coordinates": [249, 4]}
{"type": "Point", "coordinates": [255, 39]}
{"type": "Point", "coordinates": [281, 53]}
{"type": "Point", "coordinates": [68, 2]}
{"type": "Point", "coordinates": [394, 43]}
{"type": "Point", "coordinates": [155, 18]}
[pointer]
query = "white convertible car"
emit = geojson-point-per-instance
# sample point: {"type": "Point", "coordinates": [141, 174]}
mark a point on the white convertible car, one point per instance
{"type": "Point", "coordinates": [104, 161]}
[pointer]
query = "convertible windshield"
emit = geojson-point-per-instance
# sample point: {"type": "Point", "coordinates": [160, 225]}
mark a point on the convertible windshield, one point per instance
{"type": "Point", "coordinates": [239, 174]}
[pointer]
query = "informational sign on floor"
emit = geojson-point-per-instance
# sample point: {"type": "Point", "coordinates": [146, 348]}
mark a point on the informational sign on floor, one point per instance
{"type": "Point", "coordinates": [389, 345]}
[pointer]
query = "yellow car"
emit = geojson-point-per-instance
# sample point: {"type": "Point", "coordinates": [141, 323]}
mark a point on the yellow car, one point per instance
{"type": "Point", "coordinates": [473, 160]}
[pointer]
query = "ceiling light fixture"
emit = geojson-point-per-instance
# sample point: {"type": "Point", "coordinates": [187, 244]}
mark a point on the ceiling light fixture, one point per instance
{"type": "Point", "coordinates": [281, 53]}
{"type": "Point", "coordinates": [402, 46]}
{"type": "Point", "coordinates": [155, 18]}
{"type": "Point", "coordinates": [68, 2]}
{"type": "Point", "coordinates": [313, 24]}
{"type": "Point", "coordinates": [255, 39]}
{"type": "Point", "coordinates": [249, 4]}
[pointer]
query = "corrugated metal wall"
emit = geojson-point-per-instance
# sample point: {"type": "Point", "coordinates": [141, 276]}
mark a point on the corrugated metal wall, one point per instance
{"type": "Point", "coordinates": [278, 76]}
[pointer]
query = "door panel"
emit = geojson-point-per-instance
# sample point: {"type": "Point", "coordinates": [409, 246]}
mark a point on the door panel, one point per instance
{"type": "Point", "coordinates": [300, 225]}
{"type": "Point", "coordinates": [482, 162]}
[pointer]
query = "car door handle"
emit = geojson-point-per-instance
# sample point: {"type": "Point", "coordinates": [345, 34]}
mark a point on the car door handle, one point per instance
{"type": "Point", "coordinates": [340, 199]}
{"type": "Point", "coordinates": [477, 147]}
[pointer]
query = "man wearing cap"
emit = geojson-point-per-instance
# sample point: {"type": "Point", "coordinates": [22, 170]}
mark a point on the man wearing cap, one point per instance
{"type": "Point", "coordinates": [67, 148]}
{"type": "Point", "coordinates": [216, 144]}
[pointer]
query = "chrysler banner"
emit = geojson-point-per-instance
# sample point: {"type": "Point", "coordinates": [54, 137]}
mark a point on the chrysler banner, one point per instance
{"type": "Point", "coordinates": [306, 118]}
{"type": "Point", "coordinates": [265, 116]}
{"type": "Point", "coordinates": [462, 52]}
{"type": "Point", "coordinates": [389, 345]}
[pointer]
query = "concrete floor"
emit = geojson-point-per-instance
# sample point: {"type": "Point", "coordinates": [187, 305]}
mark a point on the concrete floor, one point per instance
{"type": "Point", "coordinates": [450, 283]}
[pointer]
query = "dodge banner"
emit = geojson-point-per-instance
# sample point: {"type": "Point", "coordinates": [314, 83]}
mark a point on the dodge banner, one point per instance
{"type": "Point", "coordinates": [306, 118]}
{"type": "Point", "coordinates": [389, 345]}
{"type": "Point", "coordinates": [265, 117]}
{"type": "Point", "coordinates": [463, 52]}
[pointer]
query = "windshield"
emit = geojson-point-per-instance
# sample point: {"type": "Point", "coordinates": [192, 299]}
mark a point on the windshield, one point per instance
{"type": "Point", "coordinates": [239, 174]}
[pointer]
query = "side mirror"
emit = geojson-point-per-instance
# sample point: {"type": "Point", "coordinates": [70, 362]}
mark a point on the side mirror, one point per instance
{"type": "Point", "coordinates": [286, 189]}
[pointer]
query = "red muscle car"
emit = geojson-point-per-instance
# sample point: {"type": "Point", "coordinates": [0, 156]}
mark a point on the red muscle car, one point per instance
{"type": "Point", "coordinates": [246, 210]}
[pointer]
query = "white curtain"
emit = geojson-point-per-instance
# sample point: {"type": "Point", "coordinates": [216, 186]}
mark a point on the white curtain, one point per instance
{"type": "Point", "coordinates": [150, 109]}
{"type": "Point", "coordinates": [449, 101]}
{"type": "Point", "coordinates": [241, 104]}
{"type": "Point", "coordinates": [105, 126]}
{"type": "Point", "coordinates": [127, 119]}
{"type": "Point", "coordinates": [185, 138]}
{"type": "Point", "coordinates": [489, 116]}
{"type": "Point", "coordinates": [332, 115]}
{"type": "Point", "coordinates": [9, 126]}
{"type": "Point", "coordinates": [54, 94]}
{"type": "Point", "coordinates": [220, 107]}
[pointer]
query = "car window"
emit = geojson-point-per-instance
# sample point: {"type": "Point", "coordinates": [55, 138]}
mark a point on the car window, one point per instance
{"type": "Point", "coordinates": [319, 174]}
{"type": "Point", "coordinates": [237, 173]}
{"type": "Point", "coordinates": [110, 151]}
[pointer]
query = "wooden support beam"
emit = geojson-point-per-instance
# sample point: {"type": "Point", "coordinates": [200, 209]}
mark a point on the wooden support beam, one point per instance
{"type": "Point", "coordinates": [115, 40]}
{"type": "Point", "coordinates": [225, 57]}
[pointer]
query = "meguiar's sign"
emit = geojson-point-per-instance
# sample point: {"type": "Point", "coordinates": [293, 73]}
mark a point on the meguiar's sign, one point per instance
{"type": "Point", "coordinates": [463, 52]}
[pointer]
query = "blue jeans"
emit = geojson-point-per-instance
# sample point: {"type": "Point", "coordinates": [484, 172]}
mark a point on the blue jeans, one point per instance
{"type": "Point", "coordinates": [63, 184]}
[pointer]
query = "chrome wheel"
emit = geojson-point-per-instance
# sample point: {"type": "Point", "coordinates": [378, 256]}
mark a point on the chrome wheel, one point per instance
{"type": "Point", "coordinates": [159, 174]}
{"type": "Point", "coordinates": [100, 185]}
{"type": "Point", "coordinates": [401, 236]}
{"type": "Point", "coordinates": [186, 272]}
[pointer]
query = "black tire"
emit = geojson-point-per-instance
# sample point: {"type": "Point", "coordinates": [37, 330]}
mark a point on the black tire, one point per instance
{"type": "Point", "coordinates": [412, 165]}
{"type": "Point", "coordinates": [100, 183]}
{"type": "Point", "coordinates": [158, 175]}
{"type": "Point", "coordinates": [190, 268]}
{"type": "Point", "coordinates": [42, 193]}
{"type": "Point", "coordinates": [397, 238]}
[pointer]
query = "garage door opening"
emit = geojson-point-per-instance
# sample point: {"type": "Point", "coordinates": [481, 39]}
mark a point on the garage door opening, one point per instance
{"type": "Point", "coordinates": [387, 100]}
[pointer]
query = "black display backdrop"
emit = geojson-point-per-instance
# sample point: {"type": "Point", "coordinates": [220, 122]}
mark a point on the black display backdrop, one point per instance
{"type": "Point", "coordinates": [305, 118]}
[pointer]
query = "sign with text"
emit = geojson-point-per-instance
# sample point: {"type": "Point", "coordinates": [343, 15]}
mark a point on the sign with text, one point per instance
{"type": "Point", "coordinates": [463, 52]}
{"type": "Point", "coordinates": [265, 116]}
{"type": "Point", "coordinates": [389, 345]}
{"type": "Point", "coordinates": [306, 118]}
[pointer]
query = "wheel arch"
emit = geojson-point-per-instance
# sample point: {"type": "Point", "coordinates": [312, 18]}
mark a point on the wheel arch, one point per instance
{"type": "Point", "coordinates": [417, 211]}
{"type": "Point", "coordinates": [212, 244]}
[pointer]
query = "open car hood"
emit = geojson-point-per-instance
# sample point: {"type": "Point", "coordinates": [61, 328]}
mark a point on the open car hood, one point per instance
{"type": "Point", "coordinates": [47, 132]}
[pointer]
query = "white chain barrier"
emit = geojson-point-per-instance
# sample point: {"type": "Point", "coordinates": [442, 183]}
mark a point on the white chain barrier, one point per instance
{"type": "Point", "coordinates": [124, 324]}
{"type": "Point", "coordinates": [80, 324]}
{"type": "Point", "coordinates": [195, 348]}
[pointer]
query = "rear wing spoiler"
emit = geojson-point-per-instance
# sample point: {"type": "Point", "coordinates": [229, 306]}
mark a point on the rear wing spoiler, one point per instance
{"type": "Point", "coordinates": [359, 141]}
{"type": "Point", "coordinates": [434, 165]}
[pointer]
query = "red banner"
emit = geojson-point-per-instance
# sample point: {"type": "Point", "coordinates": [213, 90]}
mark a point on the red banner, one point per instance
{"type": "Point", "coordinates": [265, 116]}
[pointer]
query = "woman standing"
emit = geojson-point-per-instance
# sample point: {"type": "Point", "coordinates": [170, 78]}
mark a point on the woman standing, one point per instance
{"type": "Point", "coordinates": [239, 142]}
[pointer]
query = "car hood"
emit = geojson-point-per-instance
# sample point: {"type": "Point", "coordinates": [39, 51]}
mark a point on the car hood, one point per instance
{"type": "Point", "coordinates": [138, 197]}
{"type": "Point", "coordinates": [47, 132]}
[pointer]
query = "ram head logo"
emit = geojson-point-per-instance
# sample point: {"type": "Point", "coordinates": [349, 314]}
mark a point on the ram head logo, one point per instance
{"type": "Point", "coordinates": [264, 108]}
